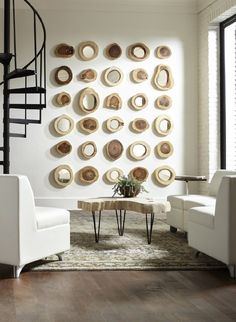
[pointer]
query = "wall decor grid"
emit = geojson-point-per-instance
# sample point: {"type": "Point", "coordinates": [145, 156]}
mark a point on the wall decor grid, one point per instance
{"type": "Point", "coordinates": [90, 101]}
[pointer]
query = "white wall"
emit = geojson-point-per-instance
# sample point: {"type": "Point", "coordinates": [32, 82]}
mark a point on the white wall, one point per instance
{"type": "Point", "coordinates": [33, 156]}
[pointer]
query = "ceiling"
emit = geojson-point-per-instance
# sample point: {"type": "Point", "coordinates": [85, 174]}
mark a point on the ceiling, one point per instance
{"type": "Point", "coordinates": [202, 4]}
{"type": "Point", "coordinates": [191, 6]}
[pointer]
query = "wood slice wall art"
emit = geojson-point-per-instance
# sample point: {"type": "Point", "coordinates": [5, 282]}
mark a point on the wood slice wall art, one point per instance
{"type": "Point", "coordinates": [113, 51]}
{"type": "Point", "coordinates": [114, 149]}
{"type": "Point", "coordinates": [88, 175]}
{"type": "Point", "coordinates": [114, 124]}
{"type": "Point", "coordinates": [138, 52]}
{"type": "Point", "coordinates": [113, 175]}
{"type": "Point", "coordinates": [139, 125]}
{"type": "Point", "coordinates": [88, 50]}
{"type": "Point", "coordinates": [163, 52]}
{"type": "Point", "coordinates": [64, 51]}
{"type": "Point", "coordinates": [162, 78]}
{"type": "Point", "coordinates": [113, 76]}
{"type": "Point", "coordinates": [163, 102]}
{"type": "Point", "coordinates": [88, 100]}
{"type": "Point", "coordinates": [63, 99]}
{"type": "Point", "coordinates": [164, 175]}
{"type": "Point", "coordinates": [64, 148]}
{"type": "Point", "coordinates": [113, 101]}
{"type": "Point", "coordinates": [88, 125]}
{"type": "Point", "coordinates": [63, 124]}
{"type": "Point", "coordinates": [63, 175]}
{"type": "Point", "coordinates": [139, 101]}
{"type": "Point", "coordinates": [139, 150]}
{"type": "Point", "coordinates": [139, 174]}
{"type": "Point", "coordinates": [63, 75]}
{"type": "Point", "coordinates": [163, 125]}
{"type": "Point", "coordinates": [88, 75]}
{"type": "Point", "coordinates": [88, 150]}
{"type": "Point", "coordinates": [139, 75]}
{"type": "Point", "coordinates": [164, 149]}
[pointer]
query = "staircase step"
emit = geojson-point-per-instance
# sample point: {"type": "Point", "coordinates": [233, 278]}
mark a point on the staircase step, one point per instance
{"type": "Point", "coordinates": [1, 163]}
{"type": "Point", "coordinates": [28, 106]}
{"type": "Point", "coordinates": [5, 58]}
{"type": "Point", "coordinates": [1, 148]}
{"type": "Point", "coordinates": [17, 73]}
{"type": "Point", "coordinates": [24, 121]}
{"type": "Point", "coordinates": [36, 90]}
{"type": "Point", "coordinates": [17, 135]}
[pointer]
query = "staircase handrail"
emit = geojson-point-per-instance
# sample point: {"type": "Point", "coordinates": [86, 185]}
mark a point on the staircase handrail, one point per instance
{"type": "Point", "coordinates": [44, 34]}
{"type": "Point", "coordinates": [44, 37]}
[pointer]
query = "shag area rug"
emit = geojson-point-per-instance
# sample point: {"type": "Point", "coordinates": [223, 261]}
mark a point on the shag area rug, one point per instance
{"type": "Point", "coordinates": [167, 251]}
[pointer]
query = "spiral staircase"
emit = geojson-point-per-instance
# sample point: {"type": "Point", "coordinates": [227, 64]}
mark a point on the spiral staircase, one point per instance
{"type": "Point", "coordinates": [31, 76]}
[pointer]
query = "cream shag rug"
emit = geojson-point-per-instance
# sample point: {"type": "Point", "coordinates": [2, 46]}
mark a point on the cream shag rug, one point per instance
{"type": "Point", "coordinates": [167, 251]}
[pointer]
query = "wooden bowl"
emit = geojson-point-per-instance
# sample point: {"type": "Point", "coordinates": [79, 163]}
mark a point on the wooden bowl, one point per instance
{"type": "Point", "coordinates": [139, 125]}
{"type": "Point", "coordinates": [63, 99]}
{"type": "Point", "coordinates": [114, 149]}
{"type": "Point", "coordinates": [88, 124]}
{"type": "Point", "coordinates": [88, 75]}
{"type": "Point", "coordinates": [88, 175]}
{"type": "Point", "coordinates": [113, 51]}
{"type": "Point", "coordinates": [163, 52]}
{"type": "Point", "coordinates": [64, 147]}
{"type": "Point", "coordinates": [64, 51]}
{"type": "Point", "coordinates": [139, 174]}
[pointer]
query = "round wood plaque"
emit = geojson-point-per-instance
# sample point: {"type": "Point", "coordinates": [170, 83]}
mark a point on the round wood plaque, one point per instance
{"type": "Point", "coordinates": [114, 149]}
{"type": "Point", "coordinates": [88, 175]}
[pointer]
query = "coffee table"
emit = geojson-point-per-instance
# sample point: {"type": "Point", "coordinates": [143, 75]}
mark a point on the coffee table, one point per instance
{"type": "Point", "coordinates": [147, 206]}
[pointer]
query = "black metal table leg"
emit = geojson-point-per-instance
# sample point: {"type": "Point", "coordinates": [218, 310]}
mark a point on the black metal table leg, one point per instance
{"type": "Point", "coordinates": [120, 221]}
{"type": "Point", "coordinates": [96, 229]}
{"type": "Point", "coordinates": [149, 227]}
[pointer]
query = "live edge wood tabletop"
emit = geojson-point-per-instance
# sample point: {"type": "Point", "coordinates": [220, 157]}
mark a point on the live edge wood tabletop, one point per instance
{"type": "Point", "coordinates": [147, 206]}
{"type": "Point", "coordinates": [142, 205]}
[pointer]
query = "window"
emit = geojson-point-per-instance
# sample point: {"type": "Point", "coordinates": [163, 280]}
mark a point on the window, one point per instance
{"type": "Point", "coordinates": [228, 93]}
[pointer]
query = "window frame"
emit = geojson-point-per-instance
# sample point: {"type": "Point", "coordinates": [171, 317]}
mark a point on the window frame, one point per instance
{"type": "Point", "coordinates": [223, 25]}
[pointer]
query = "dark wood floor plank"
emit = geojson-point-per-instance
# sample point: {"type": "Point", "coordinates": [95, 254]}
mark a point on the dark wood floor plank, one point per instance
{"type": "Point", "coordinates": [128, 296]}
{"type": "Point", "coordinates": [7, 306]}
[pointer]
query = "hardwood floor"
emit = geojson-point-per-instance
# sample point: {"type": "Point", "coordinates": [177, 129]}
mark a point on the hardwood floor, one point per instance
{"type": "Point", "coordinates": [131, 296]}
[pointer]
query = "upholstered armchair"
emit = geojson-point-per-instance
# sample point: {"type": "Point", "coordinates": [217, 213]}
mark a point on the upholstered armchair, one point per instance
{"type": "Point", "coordinates": [177, 218]}
{"type": "Point", "coordinates": [28, 233]}
{"type": "Point", "coordinates": [212, 229]}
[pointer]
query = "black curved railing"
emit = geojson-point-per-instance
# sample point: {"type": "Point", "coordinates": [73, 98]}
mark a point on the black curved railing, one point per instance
{"type": "Point", "coordinates": [36, 67]}
{"type": "Point", "coordinates": [43, 47]}
{"type": "Point", "coordinates": [40, 54]}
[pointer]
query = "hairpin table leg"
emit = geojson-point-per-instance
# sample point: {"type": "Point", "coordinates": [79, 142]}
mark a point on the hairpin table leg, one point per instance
{"type": "Point", "coordinates": [60, 258]}
{"type": "Point", "coordinates": [120, 221]}
{"type": "Point", "coordinates": [149, 227]}
{"type": "Point", "coordinates": [96, 227]}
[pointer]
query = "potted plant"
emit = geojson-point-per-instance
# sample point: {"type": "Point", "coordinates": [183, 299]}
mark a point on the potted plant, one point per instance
{"type": "Point", "coordinates": [128, 187]}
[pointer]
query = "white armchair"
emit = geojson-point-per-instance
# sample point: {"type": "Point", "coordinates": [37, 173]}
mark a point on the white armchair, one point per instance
{"type": "Point", "coordinates": [212, 230]}
{"type": "Point", "coordinates": [177, 218]}
{"type": "Point", "coordinates": [28, 233]}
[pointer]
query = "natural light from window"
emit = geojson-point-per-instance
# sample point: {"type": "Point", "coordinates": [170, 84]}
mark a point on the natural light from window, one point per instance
{"type": "Point", "coordinates": [230, 95]}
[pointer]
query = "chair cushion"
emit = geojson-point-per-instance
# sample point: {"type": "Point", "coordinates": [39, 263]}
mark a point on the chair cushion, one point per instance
{"type": "Point", "coordinates": [204, 216]}
{"type": "Point", "coordinates": [50, 217]}
{"type": "Point", "coordinates": [200, 201]}
{"type": "Point", "coordinates": [188, 201]}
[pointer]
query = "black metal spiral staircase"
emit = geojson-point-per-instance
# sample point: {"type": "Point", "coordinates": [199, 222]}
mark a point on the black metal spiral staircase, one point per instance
{"type": "Point", "coordinates": [32, 76]}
